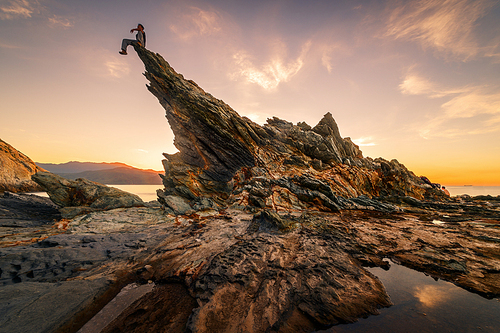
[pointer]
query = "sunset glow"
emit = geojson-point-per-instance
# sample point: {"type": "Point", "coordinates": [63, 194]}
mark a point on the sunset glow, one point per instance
{"type": "Point", "coordinates": [416, 81]}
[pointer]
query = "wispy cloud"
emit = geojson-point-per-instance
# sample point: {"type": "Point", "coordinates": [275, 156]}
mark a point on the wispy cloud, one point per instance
{"type": "Point", "coordinates": [25, 9]}
{"type": "Point", "coordinates": [365, 141]}
{"type": "Point", "coordinates": [480, 104]}
{"type": "Point", "coordinates": [413, 84]}
{"type": "Point", "coordinates": [196, 23]}
{"type": "Point", "coordinates": [445, 25]}
{"type": "Point", "coordinates": [330, 52]}
{"type": "Point", "coordinates": [60, 22]}
{"type": "Point", "coordinates": [472, 103]}
{"type": "Point", "coordinates": [278, 69]}
{"type": "Point", "coordinates": [117, 68]}
{"type": "Point", "coordinates": [14, 9]}
{"type": "Point", "coordinates": [8, 46]}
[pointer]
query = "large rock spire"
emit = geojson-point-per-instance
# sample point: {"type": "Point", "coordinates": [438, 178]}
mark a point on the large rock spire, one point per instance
{"type": "Point", "coordinates": [229, 159]}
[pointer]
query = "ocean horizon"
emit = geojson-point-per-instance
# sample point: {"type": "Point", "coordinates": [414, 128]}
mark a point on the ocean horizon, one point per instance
{"type": "Point", "coordinates": [473, 190]}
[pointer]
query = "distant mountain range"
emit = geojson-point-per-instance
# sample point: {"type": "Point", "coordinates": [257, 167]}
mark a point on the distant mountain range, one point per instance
{"type": "Point", "coordinates": [105, 173]}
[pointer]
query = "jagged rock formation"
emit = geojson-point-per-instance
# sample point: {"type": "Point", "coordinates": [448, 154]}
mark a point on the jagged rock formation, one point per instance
{"type": "Point", "coordinates": [231, 160]}
{"type": "Point", "coordinates": [82, 195]}
{"type": "Point", "coordinates": [16, 170]}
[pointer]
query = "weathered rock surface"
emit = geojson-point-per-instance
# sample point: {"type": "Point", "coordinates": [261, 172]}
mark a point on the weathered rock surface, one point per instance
{"type": "Point", "coordinates": [238, 271]}
{"type": "Point", "coordinates": [83, 196]}
{"type": "Point", "coordinates": [236, 162]}
{"type": "Point", "coordinates": [16, 170]}
{"type": "Point", "coordinates": [26, 219]}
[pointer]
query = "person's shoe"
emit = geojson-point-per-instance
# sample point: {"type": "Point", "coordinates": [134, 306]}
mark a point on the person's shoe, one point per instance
{"type": "Point", "coordinates": [123, 52]}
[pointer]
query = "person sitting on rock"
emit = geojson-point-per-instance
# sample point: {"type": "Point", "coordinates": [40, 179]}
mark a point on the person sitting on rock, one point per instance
{"type": "Point", "coordinates": [445, 191]}
{"type": "Point", "coordinates": [140, 38]}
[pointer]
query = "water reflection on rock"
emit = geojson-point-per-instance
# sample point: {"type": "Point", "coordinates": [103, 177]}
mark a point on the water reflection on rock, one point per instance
{"type": "Point", "coordinates": [422, 304]}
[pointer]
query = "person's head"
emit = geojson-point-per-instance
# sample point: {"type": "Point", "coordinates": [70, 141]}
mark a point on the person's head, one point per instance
{"type": "Point", "coordinates": [444, 187]}
{"type": "Point", "coordinates": [140, 27]}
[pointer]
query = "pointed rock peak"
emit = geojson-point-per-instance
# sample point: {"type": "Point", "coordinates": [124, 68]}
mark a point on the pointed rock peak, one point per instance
{"type": "Point", "coordinates": [327, 126]}
{"type": "Point", "coordinates": [211, 137]}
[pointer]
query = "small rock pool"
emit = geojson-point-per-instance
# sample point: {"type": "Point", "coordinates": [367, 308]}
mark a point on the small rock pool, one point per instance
{"type": "Point", "coordinates": [422, 304]}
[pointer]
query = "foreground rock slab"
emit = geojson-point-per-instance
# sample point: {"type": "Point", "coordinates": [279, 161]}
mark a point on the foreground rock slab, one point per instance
{"type": "Point", "coordinates": [27, 218]}
{"type": "Point", "coordinates": [233, 270]}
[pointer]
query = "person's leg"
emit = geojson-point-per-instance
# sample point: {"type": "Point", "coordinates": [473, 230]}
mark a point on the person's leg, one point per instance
{"type": "Point", "coordinates": [125, 44]}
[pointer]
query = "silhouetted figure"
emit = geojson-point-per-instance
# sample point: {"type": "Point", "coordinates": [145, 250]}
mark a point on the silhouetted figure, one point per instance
{"type": "Point", "coordinates": [140, 38]}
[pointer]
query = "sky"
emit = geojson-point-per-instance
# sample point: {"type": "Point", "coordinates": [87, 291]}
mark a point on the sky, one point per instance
{"type": "Point", "coordinates": [416, 81]}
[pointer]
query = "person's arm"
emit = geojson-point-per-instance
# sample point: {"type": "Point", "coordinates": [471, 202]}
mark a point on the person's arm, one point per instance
{"type": "Point", "coordinates": [132, 30]}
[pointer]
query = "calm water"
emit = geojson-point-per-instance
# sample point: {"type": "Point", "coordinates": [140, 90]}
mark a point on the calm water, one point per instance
{"type": "Point", "coordinates": [146, 192]}
{"type": "Point", "coordinates": [422, 304]}
{"type": "Point", "coordinates": [474, 190]}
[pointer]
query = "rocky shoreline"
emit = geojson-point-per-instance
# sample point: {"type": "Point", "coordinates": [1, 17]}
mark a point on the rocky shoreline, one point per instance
{"type": "Point", "coordinates": [283, 272]}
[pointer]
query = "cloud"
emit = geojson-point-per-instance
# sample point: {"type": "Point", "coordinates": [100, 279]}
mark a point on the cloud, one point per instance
{"type": "Point", "coordinates": [330, 52]}
{"type": "Point", "coordinates": [117, 68]}
{"type": "Point", "coordinates": [24, 9]}
{"type": "Point", "coordinates": [365, 141]}
{"type": "Point", "coordinates": [60, 22]}
{"type": "Point", "coordinates": [197, 23]}
{"type": "Point", "coordinates": [413, 84]}
{"type": "Point", "coordinates": [479, 104]}
{"type": "Point", "coordinates": [18, 9]}
{"type": "Point", "coordinates": [272, 73]}
{"type": "Point", "coordinates": [445, 25]}
{"type": "Point", "coordinates": [472, 103]}
{"type": "Point", "coordinates": [8, 46]}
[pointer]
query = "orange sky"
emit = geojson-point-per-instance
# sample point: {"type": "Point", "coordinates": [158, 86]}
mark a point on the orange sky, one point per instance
{"type": "Point", "coordinates": [417, 81]}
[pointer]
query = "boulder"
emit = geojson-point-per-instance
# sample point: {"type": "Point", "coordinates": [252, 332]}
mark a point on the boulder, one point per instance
{"type": "Point", "coordinates": [82, 195]}
{"type": "Point", "coordinates": [175, 204]}
{"type": "Point", "coordinates": [16, 170]}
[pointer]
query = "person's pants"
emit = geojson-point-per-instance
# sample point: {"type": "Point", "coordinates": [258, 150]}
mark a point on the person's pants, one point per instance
{"type": "Point", "coordinates": [127, 42]}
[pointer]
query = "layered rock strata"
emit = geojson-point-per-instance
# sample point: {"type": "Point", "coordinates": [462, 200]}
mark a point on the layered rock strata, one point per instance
{"type": "Point", "coordinates": [228, 160]}
{"type": "Point", "coordinates": [16, 170]}
{"type": "Point", "coordinates": [83, 196]}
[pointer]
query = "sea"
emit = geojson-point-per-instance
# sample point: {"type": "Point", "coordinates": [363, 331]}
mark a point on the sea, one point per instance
{"type": "Point", "coordinates": [145, 192]}
{"type": "Point", "coordinates": [473, 190]}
